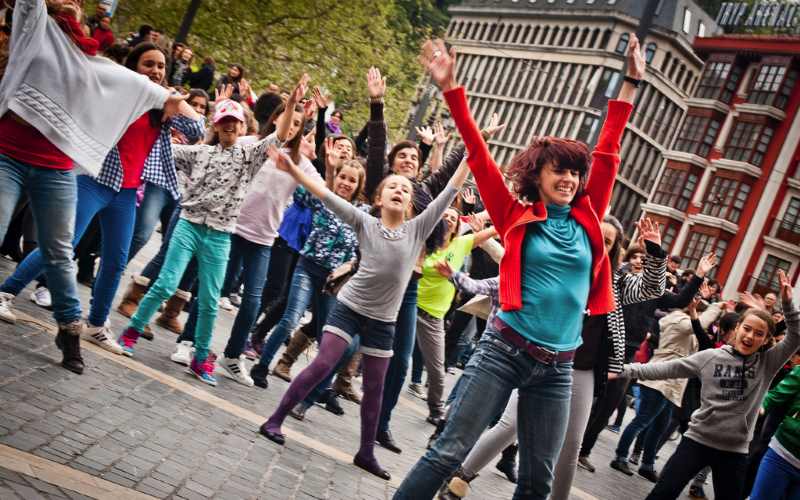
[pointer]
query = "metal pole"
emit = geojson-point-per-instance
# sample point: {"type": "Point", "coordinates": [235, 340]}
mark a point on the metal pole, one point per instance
{"type": "Point", "coordinates": [188, 18]}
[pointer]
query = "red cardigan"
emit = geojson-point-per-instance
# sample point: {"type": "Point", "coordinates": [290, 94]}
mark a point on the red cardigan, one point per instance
{"type": "Point", "coordinates": [510, 216]}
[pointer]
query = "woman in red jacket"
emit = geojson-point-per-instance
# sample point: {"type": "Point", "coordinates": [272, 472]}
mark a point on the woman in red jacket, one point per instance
{"type": "Point", "coordinates": [554, 269]}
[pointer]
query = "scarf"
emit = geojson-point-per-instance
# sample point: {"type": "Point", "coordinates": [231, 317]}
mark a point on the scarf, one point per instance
{"type": "Point", "coordinates": [333, 128]}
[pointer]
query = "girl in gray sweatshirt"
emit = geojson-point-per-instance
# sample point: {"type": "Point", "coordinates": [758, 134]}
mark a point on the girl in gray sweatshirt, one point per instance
{"type": "Point", "coordinates": [734, 380]}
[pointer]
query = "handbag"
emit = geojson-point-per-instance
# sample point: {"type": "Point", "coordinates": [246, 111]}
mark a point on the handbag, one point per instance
{"type": "Point", "coordinates": [339, 276]}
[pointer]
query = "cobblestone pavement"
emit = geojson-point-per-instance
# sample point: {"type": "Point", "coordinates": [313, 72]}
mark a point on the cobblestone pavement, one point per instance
{"type": "Point", "coordinates": [133, 428]}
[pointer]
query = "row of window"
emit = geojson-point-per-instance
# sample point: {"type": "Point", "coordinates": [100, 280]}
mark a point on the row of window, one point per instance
{"type": "Point", "coordinates": [725, 197]}
{"type": "Point", "coordinates": [772, 82]}
{"type": "Point", "coordinates": [656, 115]}
{"type": "Point", "coordinates": [626, 205]}
{"type": "Point", "coordinates": [747, 141]}
{"type": "Point", "coordinates": [641, 161]}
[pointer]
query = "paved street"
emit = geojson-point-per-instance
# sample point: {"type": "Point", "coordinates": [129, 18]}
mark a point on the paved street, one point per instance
{"type": "Point", "coordinates": [143, 428]}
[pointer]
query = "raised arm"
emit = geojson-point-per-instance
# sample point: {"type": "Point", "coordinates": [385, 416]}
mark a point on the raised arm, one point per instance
{"type": "Point", "coordinates": [427, 220]}
{"type": "Point", "coordinates": [687, 293]}
{"type": "Point", "coordinates": [687, 367]}
{"type": "Point", "coordinates": [322, 108]}
{"type": "Point", "coordinates": [650, 283]}
{"type": "Point", "coordinates": [284, 122]}
{"type": "Point", "coordinates": [376, 132]}
{"type": "Point", "coordinates": [441, 64]}
{"type": "Point", "coordinates": [605, 157]}
{"type": "Point", "coordinates": [783, 350]}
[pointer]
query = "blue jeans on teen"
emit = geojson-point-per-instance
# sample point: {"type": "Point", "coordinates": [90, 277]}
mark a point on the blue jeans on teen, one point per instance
{"type": "Point", "coordinates": [157, 205]}
{"type": "Point", "coordinates": [308, 281]}
{"type": "Point", "coordinates": [235, 270]}
{"type": "Point", "coordinates": [404, 336]}
{"type": "Point", "coordinates": [52, 194]}
{"type": "Point", "coordinates": [776, 478]}
{"type": "Point", "coordinates": [653, 416]}
{"type": "Point", "coordinates": [116, 211]}
{"type": "Point", "coordinates": [254, 260]}
{"type": "Point", "coordinates": [496, 368]}
{"type": "Point", "coordinates": [153, 268]}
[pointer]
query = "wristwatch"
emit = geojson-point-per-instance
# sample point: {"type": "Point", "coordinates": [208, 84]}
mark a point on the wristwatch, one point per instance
{"type": "Point", "coordinates": [633, 81]}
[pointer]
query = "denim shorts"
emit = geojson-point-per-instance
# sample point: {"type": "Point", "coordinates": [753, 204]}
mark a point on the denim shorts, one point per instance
{"type": "Point", "coordinates": [377, 337]}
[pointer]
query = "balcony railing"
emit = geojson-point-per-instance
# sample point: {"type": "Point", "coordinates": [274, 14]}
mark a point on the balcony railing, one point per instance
{"type": "Point", "coordinates": [788, 231]}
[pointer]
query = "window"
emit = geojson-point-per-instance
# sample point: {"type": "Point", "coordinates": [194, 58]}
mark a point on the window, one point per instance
{"type": "Point", "coordinates": [700, 244]}
{"type": "Point", "coordinates": [748, 142]}
{"type": "Point", "coordinates": [767, 83]}
{"type": "Point", "coordinates": [701, 29]}
{"type": "Point", "coordinates": [675, 189]}
{"type": "Point", "coordinates": [719, 81]}
{"type": "Point", "coordinates": [622, 44]}
{"type": "Point", "coordinates": [668, 236]}
{"type": "Point", "coordinates": [782, 99]}
{"type": "Point", "coordinates": [588, 128]}
{"type": "Point", "coordinates": [698, 135]}
{"type": "Point", "coordinates": [726, 199]}
{"type": "Point", "coordinates": [789, 228]}
{"type": "Point", "coordinates": [687, 20]}
{"type": "Point", "coordinates": [649, 52]}
{"type": "Point", "coordinates": [767, 280]}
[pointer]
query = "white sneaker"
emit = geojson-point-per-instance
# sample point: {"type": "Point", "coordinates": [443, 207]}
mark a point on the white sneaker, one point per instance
{"type": "Point", "coordinates": [41, 297]}
{"type": "Point", "coordinates": [101, 335]}
{"type": "Point", "coordinates": [236, 369]}
{"type": "Point", "coordinates": [6, 314]}
{"type": "Point", "coordinates": [225, 303]}
{"type": "Point", "coordinates": [183, 353]}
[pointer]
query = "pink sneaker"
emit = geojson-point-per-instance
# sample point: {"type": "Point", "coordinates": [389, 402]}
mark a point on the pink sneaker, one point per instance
{"type": "Point", "coordinates": [204, 370]}
{"type": "Point", "coordinates": [128, 339]}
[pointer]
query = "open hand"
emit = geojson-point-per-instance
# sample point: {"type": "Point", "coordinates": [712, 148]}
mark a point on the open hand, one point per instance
{"type": "Point", "coordinates": [494, 127]}
{"type": "Point", "coordinates": [426, 134]}
{"type": "Point", "coordinates": [637, 64]}
{"type": "Point", "coordinates": [440, 63]}
{"type": "Point", "coordinates": [648, 231]}
{"type": "Point", "coordinates": [319, 98]}
{"type": "Point", "coordinates": [750, 300]}
{"type": "Point", "coordinates": [244, 89]}
{"type": "Point", "coordinates": [376, 84]}
{"type": "Point", "coordinates": [706, 264]}
{"type": "Point", "coordinates": [443, 268]}
{"type": "Point", "coordinates": [468, 195]}
{"type": "Point", "coordinates": [440, 134]}
{"type": "Point", "coordinates": [300, 89]}
{"type": "Point", "coordinates": [307, 146]}
{"type": "Point", "coordinates": [705, 290]}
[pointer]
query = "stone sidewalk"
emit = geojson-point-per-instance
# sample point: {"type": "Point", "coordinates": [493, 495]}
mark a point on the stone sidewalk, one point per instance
{"type": "Point", "coordinates": [143, 428]}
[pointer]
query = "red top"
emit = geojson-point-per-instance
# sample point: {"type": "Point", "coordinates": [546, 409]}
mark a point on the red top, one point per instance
{"type": "Point", "coordinates": [22, 142]}
{"type": "Point", "coordinates": [510, 217]}
{"type": "Point", "coordinates": [105, 38]}
{"type": "Point", "coordinates": [134, 147]}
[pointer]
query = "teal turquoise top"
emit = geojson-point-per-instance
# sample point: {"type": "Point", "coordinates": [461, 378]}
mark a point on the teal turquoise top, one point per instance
{"type": "Point", "coordinates": [556, 276]}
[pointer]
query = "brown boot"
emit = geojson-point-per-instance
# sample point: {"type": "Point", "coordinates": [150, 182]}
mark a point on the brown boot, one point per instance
{"type": "Point", "coordinates": [298, 343]}
{"type": "Point", "coordinates": [343, 384]}
{"type": "Point", "coordinates": [172, 310]}
{"type": "Point", "coordinates": [130, 302]}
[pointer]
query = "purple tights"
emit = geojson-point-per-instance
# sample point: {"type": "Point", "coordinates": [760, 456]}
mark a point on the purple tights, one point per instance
{"type": "Point", "coordinates": [330, 351]}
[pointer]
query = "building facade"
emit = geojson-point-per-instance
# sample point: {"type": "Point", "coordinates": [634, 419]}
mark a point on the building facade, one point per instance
{"type": "Point", "coordinates": [548, 67]}
{"type": "Point", "coordinates": [730, 182]}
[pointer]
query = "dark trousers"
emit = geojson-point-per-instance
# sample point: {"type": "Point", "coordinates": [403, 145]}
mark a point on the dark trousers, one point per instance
{"type": "Point", "coordinates": [276, 291]}
{"type": "Point", "coordinates": [727, 469]}
{"type": "Point", "coordinates": [601, 412]}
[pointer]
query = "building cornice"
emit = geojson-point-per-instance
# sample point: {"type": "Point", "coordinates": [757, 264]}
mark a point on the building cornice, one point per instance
{"type": "Point", "coordinates": [672, 213]}
{"type": "Point", "coordinates": [761, 109]}
{"type": "Point", "coordinates": [793, 183]}
{"type": "Point", "coordinates": [737, 166]}
{"type": "Point", "coordinates": [710, 221]}
{"type": "Point", "coordinates": [713, 104]}
{"type": "Point", "coordinates": [782, 245]}
{"type": "Point", "coordinates": [685, 157]}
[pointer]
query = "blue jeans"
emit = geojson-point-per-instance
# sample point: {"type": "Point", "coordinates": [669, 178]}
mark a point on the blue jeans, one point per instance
{"type": "Point", "coordinates": [153, 268]}
{"type": "Point", "coordinates": [254, 260]}
{"type": "Point", "coordinates": [776, 478]}
{"type": "Point", "coordinates": [115, 211]}
{"type": "Point", "coordinates": [308, 281]}
{"type": "Point", "coordinates": [404, 335]}
{"type": "Point", "coordinates": [52, 195]}
{"type": "Point", "coordinates": [417, 364]}
{"type": "Point", "coordinates": [157, 205]}
{"type": "Point", "coordinates": [496, 368]}
{"type": "Point", "coordinates": [653, 415]}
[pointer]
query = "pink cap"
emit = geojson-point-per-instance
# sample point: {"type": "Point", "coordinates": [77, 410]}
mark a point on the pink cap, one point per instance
{"type": "Point", "coordinates": [227, 108]}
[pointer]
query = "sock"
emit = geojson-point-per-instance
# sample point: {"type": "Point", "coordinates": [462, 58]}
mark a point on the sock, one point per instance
{"type": "Point", "coordinates": [374, 374]}
{"type": "Point", "coordinates": [330, 350]}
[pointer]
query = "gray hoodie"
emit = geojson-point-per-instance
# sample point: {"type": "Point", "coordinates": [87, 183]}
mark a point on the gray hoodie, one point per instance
{"type": "Point", "coordinates": [733, 386]}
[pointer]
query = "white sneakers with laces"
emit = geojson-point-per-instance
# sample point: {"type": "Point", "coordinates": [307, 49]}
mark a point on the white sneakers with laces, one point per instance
{"type": "Point", "coordinates": [236, 370]}
{"type": "Point", "coordinates": [102, 336]}
{"type": "Point", "coordinates": [41, 297]}
{"type": "Point", "coordinates": [6, 314]}
{"type": "Point", "coordinates": [183, 353]}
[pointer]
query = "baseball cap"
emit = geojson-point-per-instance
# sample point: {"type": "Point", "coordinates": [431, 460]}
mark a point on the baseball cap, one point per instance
{"type": "Point", "coordinates": [227, 108]}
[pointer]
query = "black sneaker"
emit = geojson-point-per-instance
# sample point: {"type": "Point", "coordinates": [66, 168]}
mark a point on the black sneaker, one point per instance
{"type": "Point", "coordinates": [649, 474]}
{"type": "Point", "coordinates": [332, 404]}
{"type": "Point", "coordinates": [386, 440]}
{"type": "Point", "coordinates": [259, 375]}
{"type": "Point", "coordinates": [68, 340]}
{"type": "Point", "coordinates": [621, 466]}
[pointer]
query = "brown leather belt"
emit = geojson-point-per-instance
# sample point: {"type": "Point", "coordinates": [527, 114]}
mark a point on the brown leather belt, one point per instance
{"type": "Point", "coordinates": [537, 352]}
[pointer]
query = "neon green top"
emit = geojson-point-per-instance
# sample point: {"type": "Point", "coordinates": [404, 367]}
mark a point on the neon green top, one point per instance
{"type": "Point", "coordinates": [435, 291]}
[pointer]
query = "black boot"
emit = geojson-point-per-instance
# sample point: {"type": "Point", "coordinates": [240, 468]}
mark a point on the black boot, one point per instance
{"type": "Point", "coordinates": [259, 375]}
{"type": "Point", "coordinates": [331, 404]}
{"type": "Point", "coordinates": [68, 340]}
{"type": "Point", "coordinates": [508, 463]}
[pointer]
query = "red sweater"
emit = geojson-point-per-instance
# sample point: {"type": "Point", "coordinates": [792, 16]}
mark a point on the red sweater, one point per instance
{"type": "Point", "coordinates": [510, 217]}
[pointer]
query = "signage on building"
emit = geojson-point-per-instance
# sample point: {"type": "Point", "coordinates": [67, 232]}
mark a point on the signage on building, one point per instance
{"type": "Point", "coordinates": [760, 14]}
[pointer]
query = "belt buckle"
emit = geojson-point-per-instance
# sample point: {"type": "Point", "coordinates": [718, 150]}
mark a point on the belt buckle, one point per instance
{"type": "Point", "coordinates": [549, 356]}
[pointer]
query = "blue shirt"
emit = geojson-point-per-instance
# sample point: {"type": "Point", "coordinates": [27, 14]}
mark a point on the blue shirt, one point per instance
{"type": "Point", "coordinates": [556, 276]}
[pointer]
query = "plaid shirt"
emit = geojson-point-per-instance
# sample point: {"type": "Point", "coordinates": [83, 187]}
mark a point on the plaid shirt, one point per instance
{"type": "Point", "coordinates": [159, 167]}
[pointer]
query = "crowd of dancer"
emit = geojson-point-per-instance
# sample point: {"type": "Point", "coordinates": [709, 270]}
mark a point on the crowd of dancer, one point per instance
{"type": "Point", "coordinates": [380, 254]}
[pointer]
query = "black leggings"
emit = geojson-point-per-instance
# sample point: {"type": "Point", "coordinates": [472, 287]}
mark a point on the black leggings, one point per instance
{"type": "Point", "coordinates": [727, 469]}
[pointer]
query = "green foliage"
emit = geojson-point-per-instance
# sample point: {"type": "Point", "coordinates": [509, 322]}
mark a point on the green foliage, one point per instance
{"type": "Point", "coordinates": [335, 42]}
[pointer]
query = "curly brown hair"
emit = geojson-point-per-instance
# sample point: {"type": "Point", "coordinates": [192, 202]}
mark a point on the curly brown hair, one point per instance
{"type": "Point", "coordinates": [524, 169]}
